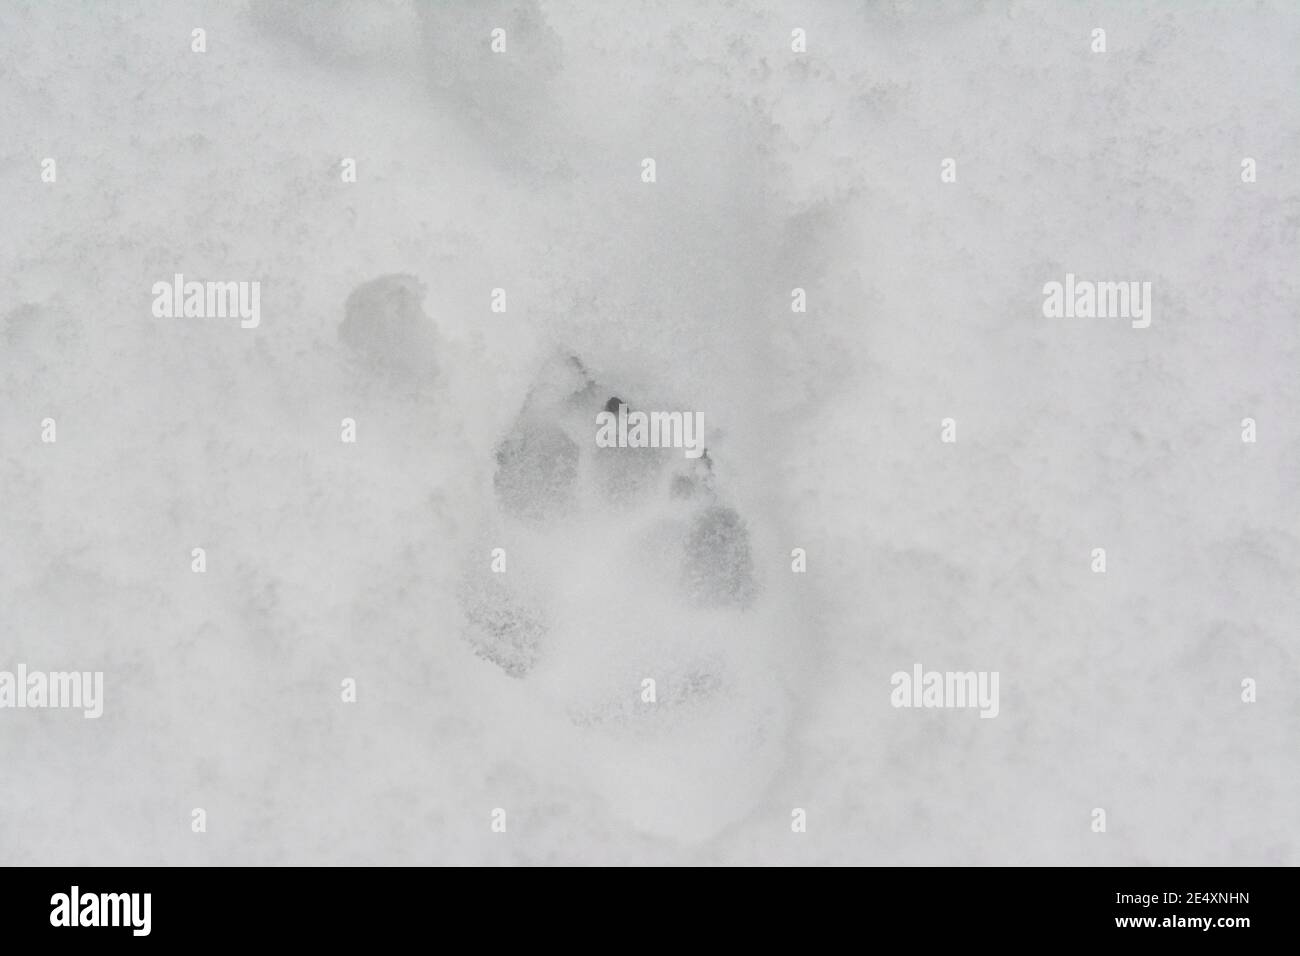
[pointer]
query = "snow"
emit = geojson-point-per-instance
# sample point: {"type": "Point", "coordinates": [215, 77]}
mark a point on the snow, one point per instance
{"type": "Point", "coordinates": [775, 170]}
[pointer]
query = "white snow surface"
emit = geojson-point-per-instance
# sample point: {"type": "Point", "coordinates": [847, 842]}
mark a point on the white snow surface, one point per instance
{"type": "Point", "coordinates": [775, 170]}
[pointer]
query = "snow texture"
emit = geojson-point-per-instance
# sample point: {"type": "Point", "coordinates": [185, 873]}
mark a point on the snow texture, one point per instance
{"type": "Point", "coordinates": [522, 690]}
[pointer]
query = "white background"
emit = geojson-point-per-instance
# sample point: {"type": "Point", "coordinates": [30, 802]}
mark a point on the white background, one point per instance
{"type": "Point", "coordinates": [775, 170]}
